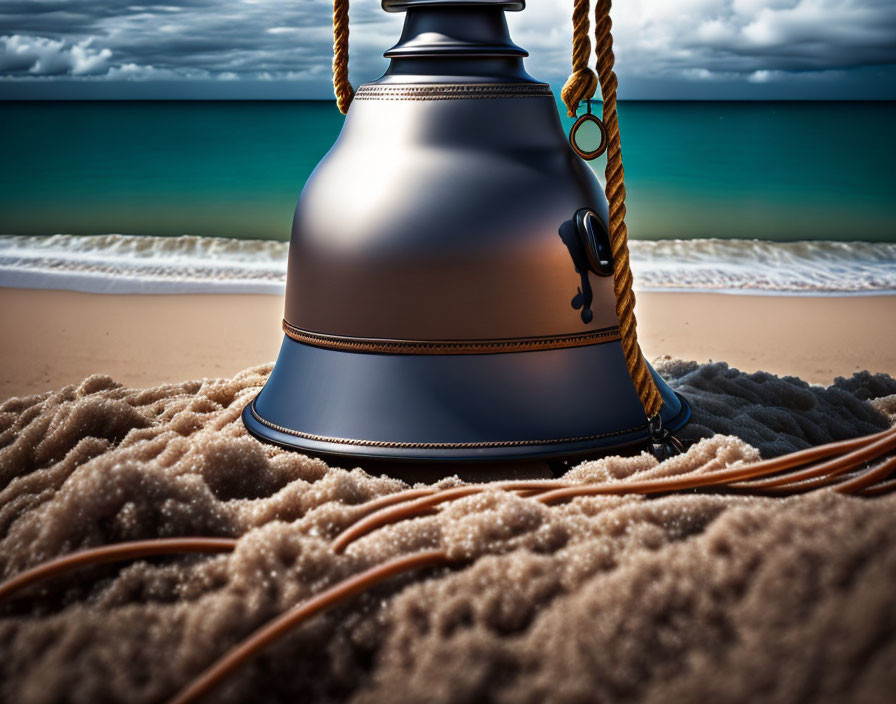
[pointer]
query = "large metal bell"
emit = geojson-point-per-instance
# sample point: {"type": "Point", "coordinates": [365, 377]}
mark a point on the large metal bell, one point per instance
{"type": "Point", "coordinates": [450, 290]}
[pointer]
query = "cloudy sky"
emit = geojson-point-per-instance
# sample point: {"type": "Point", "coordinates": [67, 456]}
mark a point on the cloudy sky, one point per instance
{"type": "Point", "coordinates": [282, 48]}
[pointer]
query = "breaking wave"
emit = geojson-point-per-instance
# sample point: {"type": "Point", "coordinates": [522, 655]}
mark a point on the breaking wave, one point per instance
{"type": "Point", "coordinates": [187, 264]}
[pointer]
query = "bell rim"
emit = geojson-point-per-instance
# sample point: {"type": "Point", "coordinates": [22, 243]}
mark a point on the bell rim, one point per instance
{"type": "Point", "coordinates": [454, 407]}
{"type": "Point", "coordinates": [316, 445]}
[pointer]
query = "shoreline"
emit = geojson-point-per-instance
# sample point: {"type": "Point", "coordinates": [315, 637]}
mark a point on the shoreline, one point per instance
{"type": "Point", "coordinates": [128, 264]}
{"type": "Point", "coordinates": [54, 338]}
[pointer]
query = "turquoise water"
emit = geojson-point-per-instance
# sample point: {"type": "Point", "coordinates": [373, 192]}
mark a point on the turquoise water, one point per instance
{"type": "Point", "coordinates": [773, 171]}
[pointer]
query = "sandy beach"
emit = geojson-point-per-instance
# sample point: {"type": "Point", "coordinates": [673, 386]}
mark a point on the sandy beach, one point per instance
{"type": "Point", "coordinates": [53, 338]}
{"type": "Point", "coordinates": [610, 598]}
{"type": "Point", "coordinates": [678, 598]}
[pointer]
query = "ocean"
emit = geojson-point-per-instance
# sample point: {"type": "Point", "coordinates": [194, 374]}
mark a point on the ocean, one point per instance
{"type": "Point", "coordinates": [744, 196]}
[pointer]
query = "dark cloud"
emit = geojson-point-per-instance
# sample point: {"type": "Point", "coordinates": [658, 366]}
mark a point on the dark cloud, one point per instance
{"type": "Point", "coordinates": [195, 40]}
{"type": "Point", "coordinates": [672, 45]}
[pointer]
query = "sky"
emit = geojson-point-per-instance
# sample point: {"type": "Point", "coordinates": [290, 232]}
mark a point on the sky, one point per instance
{"type": "Point", "coordinates": [282, 49]}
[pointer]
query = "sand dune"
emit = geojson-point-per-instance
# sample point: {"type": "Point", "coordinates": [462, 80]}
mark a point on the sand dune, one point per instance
{"type": "Point", "coordinates": [694, 597]}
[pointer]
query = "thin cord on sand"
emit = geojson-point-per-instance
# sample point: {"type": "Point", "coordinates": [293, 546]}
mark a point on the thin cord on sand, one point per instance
{"type": "Point", "coordinates": [879, 489]}
{"type": "Point", "coordinates": [873, 449]}
{"type": "Point", "coordinates": [850, 460]}
{"type": "Point", "coordinates": [552, 491]}
{"type": "Point", "coordinates": [841, 477]}
{"type": "Point", "coordinates": [422, 505]}
{"type": "Point", "coordinates": [113, 553]}
{"type": "Point", "coordinates": [283, 624]}
{"type": "Point", "coordinates": [390, 499]}
{"type": "Point", "coordinates": [396, 513]}
{"type": "Point", "coordinates": [390, 509]}
{"type": "Point", "coordinates": [868, 478]}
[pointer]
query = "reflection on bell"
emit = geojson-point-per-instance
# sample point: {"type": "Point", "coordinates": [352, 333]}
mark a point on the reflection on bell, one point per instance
{"type": "Point", "coordinates": [450, 286]}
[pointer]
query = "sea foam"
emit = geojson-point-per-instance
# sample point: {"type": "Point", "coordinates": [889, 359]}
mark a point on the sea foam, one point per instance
{"type": "Point", "coordinates": [187, 264]}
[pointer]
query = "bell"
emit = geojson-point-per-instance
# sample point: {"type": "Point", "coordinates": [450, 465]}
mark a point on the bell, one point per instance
{"type": "Point", "coordinates": [450, 289]}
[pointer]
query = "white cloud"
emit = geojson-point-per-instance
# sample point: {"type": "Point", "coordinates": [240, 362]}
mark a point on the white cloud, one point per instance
{"type": "Point", "coordinates": [761, 76]}
{"type": "Point", "coordinates": [41, 56]}
{"type": "Point", "coordinates": [86, 60]}
{"type": "Point", "coordinates": [699, 74]}
{"type": "Point", "coordinates": [148, 72]}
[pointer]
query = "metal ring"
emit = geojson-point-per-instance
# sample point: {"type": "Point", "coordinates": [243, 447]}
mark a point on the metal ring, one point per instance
{"type": "Point", "coordinates": [601, 148]}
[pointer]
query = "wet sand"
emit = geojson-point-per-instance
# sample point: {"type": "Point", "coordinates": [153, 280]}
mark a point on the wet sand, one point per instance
{"type": "Point", "coordinates": [53, 338]}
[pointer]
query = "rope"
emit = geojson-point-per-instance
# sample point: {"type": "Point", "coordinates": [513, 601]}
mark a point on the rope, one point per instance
{"type": "Point", "coordinates": [341, 85]}
{"type": "Point", "coordinates": [581, 86]}
{"type": "Point", "coordinates": [582, 83]}
{"type": "Point", "coordinates": [615, 190]}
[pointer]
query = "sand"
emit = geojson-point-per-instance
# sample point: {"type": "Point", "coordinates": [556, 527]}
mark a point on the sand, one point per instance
{"type": "Point", "coordinates": [54, 338]}
{"type": "Point", "coordinates": [682, 598]}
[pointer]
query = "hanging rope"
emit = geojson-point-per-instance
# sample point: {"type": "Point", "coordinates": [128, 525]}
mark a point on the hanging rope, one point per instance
{"type": "Point", "coordinates": [342, 87]}
{"type": "Point", "coordinates": [615, 189]}
{"type": "Point", "coordinates": [582, 83]}
{"type": "Point", "coordinates": [578, 88]}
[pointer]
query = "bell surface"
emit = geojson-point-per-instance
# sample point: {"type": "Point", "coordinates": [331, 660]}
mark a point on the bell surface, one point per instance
{"type": "Point", "coordinates": [449, 292]}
